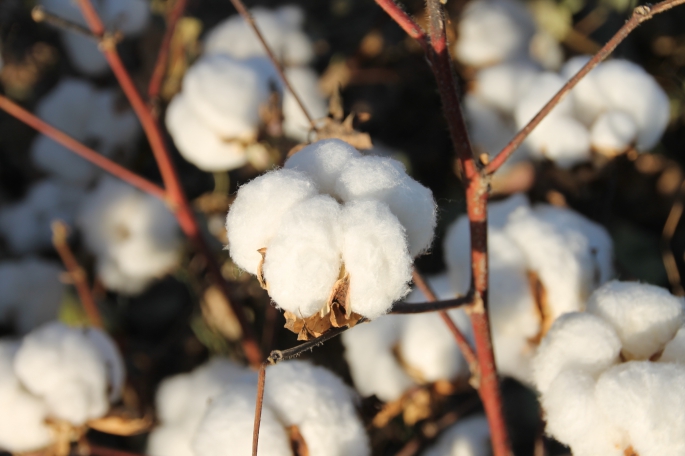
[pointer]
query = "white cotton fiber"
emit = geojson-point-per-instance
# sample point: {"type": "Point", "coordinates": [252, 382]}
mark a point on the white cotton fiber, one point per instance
{"type": "Point", "coordinates": [613, 132]}
{"type": "Point", "coordinates": [303, 261]}
{"type": "Point", "coordinates": [489, 130]}
{"type": "Point", "coordinates": [478, 46]}
{"type": "Point", "coordinates": [674, 352]}
{"type": "Point", "coordinates": [645, 317]}
{"type": "Point", "coordinates": [323, 161]}
{"type": "Point", "coordinates": [305, 83]}
{"type": "Point", "coordinates": [229, 422]}
{"type": "Point", "coordinates": [30, 292]}
{"type": "Point", "coordinates": [26, 224]}
{"type": "Point", "coordinates": [645, 402]}
{"type": "Point", "coordinates": [133, 235]}
{"type": "Point", "coordinates": [22, 416]}
{"type": "Point", "coordinates": [375, 255]}
{"type": "Point", "coordinates": [468, 437]}
{"type": "Point", "coordinates": [576, 341]}
{"type": "Point", "coordinates": [256, 213]}
{"type": "Point", "coordinates": [501, 86]}
{"type": "Point", "coordinates": [68, 368]}
{"type": "Point", "coordinates": [587, 95]}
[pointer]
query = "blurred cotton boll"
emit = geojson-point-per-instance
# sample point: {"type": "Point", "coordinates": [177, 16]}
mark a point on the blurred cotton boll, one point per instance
{"type": "Point", "coordinates": [30, 292]}
{"type": "Point", "coordinates": [88, 115]}
{"type": "Point", "coordinates": [305, 83]}
{"type": "Point", "coordinates": [470, 436]}
{"type": "Point", "coordinates": [133, 236]}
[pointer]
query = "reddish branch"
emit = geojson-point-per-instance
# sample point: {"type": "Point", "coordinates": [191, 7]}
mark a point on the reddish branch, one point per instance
{"type": "Point", "coordinates": [163, 56]}
{"type": "Point", "coordinates": [259, 405]}
{"type": "Point", "coordinates": [175, 194]}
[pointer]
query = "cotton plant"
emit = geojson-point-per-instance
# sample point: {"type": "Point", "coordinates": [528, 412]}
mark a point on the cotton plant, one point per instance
{"type": "Point", "coordinates": [88, 115]}
{"type": "Point", "coordinates": [129, 17]}
{"type": "Point", "coordinates": [55, 374]}
{"type": "Point", "coordinates": [390, 355]}
{"type": "Point", "coordinates": [609, 377]}
{"type": "Point", "coordinates": [25, 225]}
{"type": "Point", "coordinates": [304, 405]}
{"type": "Point", "coordinates": [544, 261]}
{"type": "Point", "coordinates": [469, 436]}
{"type": "Point", "coordinates": [332, 234]}
{"type": "Point", "coordinates": [30, 292]}
{"type": "Point", "coordinates": [133, 235]}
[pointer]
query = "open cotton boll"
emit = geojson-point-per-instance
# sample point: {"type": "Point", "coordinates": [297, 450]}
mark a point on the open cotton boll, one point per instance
{"type": "Point", "coordinates": [302, 262]}
{"type": "Point", "coordinates": [644, 316]}
{"type": "Point", "coordinates": [226, 93]}
{"type": "Point", "coordinates": [30, 292]}
{"type": "Point", "coordinates": [197, 143]}
{"type": "Point", "coordinates": [305, 82]}
{"type": "Point", "coordinates": [229, 422]}
{"type": "Point", "coordinates": [478, 46]}
{"type": "Point", "coordinates": [375, 255]}
{"type": "Point", "coordinates": [643, 400]}
{"type": "Point", "coordinates": [323, 161]}
{"type": "Point", "coordinates": [613, 132]}
{"type": "Point", "coordinates": [69, 369]}
{"type": "Point", "coordinates": [281, 31]}
{"type": "Point", "coordinates": [674, 352]}
{"type": "Point", "coordinates": [369, 355]}
{"type": "Point", "coordinates": [468, 437]}
{"type": "Point", "coordinates": [22, 416]}
{"type": "Point", "coordinates": [256, 213]}
{"type": "Point", "coordinates": [576, 341]}
{"type": "Point", "coordinates": [488, 129]}
{"type": "Point", "coordinates": [26, 224]}
{"type": "Point", "coordinates": [132, 234]}
{"type": "Point", "coordinates": [320, 405]}
{"type": "Point", "coordinates": [502, 85]}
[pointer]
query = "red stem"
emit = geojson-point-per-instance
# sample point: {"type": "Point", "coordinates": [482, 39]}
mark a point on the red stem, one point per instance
{"type": "Point", "coordinates": [405, 21]}
{"type": "Point", "coordinates": [160, 70]}
{"type": "Point", "coordinates": [259, 405]}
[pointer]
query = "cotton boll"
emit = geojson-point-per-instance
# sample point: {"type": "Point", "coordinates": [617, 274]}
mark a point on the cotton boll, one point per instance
{"type": "Point", "coordinates": [541, 89]}
{"type": "Point", "coordinates": [645, 317]}
{"type": "Point", "coordinates": [501, 86]}
{"type": "Point", "coordinates": [256, 213]}
{"type": "Point", "coordinates": [613, 132]}
{"type": "Point", "coordinates": [488, 129]}
{"type": "Point", "coordinates": [323, 161]}
{"type": "Point", "coordinates": [369, 355]}
{"type": "Point", "coordinates": [111, 126]}
{"type": "Point", "coordinates": [478, 46]}
{"type": "Point", "coordinates": [588, 97]}
{"type": "Point", "coordinates": [302, 261]}
{"type": "Point", "coordinates": [30, 292]}
{"type": "Point", "coordinates": [229, 422]}
{"type": "Point", "coordinates": [375, 255]}
{"type": "Point", "coordinates": [576, 341]}
{"type": "Point", "coordinates": [63, 366]}
{"type": "Point", "coordinates": [197, 143]}
{"type": "Point", "coordinates": [320, 405]}
{"type": "Point", "coordinates": [675, 349]}
{"type": "Point", "coordinates": [546, 50]}
{"type": "Point", "coordinates": [305, 82]}
{"type": "Point", "coordinates": [468, 437]}
{"type": "Point", "coordinates": [640, 399]}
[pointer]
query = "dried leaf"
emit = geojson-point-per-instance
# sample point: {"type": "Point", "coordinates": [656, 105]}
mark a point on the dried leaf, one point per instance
{"type": "Point", "coordinates": [542, 307]}
{"type": "Point", "coordinates": [297, 442]}
{"type": "Point", "coordinates": [332, 128]}
{"type": "Point", "coordinates": [218, 314]}
{"type": "Point", "coordinates": [260, 270]}
{"type": "Point", "coordinates": [417, 407]}
{"type": "Point", "coordinates": [122, 424]}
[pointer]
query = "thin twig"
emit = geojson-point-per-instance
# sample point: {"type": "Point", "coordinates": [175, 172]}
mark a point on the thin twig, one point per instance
{"type": "Point", "coordinates": [670, 226]}
{"type": "Point", "coordinates": [60, 232]}
{"type": "Point", "coordinates": [405, 21]}
{"type": "Point", "coordinates": [640, 15]}
{"type": "Point", "coordinates": [401, 308]}
{"type": "Point", "coordinates": [238, 4]}
{"type": "Point", "coordinates": [81, 150]}
{"type": "Point", "coordinates": [39, 14]}
{"type": "Point", "coordinates": [259, 405]}
{"type": "Point", "coordinates": [163, 55]}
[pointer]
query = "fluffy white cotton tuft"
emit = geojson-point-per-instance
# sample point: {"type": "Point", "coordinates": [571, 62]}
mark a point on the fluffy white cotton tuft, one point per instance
{"type": "Point", "coordinates": [133, 235]}
{"type": "Point", "coordinates": [613, 132]}
{"type": "Point", "coordinates": [30, 292]}
{"type": "Point", "coordinates": [256, 213]}
{"type": "Point", "coordinates": [302, 262]}
{"type": "Point", "coordinates": [501, 86]}
{"type": "Point", "coordinates": [645, 317]}
{"type": "Point", "coordinates": [468, 437]}
{"type": "Point", "coordinates": [375, 255]}
{"type": "Point", "coordinates": [77, 372]}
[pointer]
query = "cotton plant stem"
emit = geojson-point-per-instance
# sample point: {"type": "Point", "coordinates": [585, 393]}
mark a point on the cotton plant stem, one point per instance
{"type": "Point", "coordinates": [176, 196]}
{"type": "Point", "coordinates": [240, 7]}
{"type": "Point", "coordinates": [668, 258]}
{"type": "Point", "coordinates": [259, 405]}
{"type": "Point", "coordinates": [640, 14]}
{"type": "Point", "coordinates": [160, 69]}
{"type": "Point", "coordinates": [60, 232]}
{"type": "Point", "coordinates": [403, 308]}
{"type": "Point", "coordinates": [40, 14]}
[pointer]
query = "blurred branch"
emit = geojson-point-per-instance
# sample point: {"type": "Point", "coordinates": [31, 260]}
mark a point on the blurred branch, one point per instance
{"type": "Point", "coordinates": [39, 14]}
{"type": "Point", "coordinates": [60, 232]}
{"type": "Point", "coordinates": [405, 21]}
{"type": "Point", "coordinates": [670, 226]}
{"type": "Point", "coordinates": [81, 150]}
{"type": "Point", "coordinates": [640, 14]}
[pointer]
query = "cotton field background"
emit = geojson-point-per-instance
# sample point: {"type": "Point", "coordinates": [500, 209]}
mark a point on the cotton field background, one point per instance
{"type": "Point", "coordinates": [197, 230]}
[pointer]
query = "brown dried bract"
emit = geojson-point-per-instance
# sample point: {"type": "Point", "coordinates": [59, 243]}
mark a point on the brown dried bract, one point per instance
{"type": "Point", "coordinates": [297, 442]}
{"type": "Point", "coordinates": [260, 270]}
{"type": "Point", "coordinates": [122, 423]}
{"type": "Point", "coordinates": [542, 307]}
{"type": "Point", "coordinates": [344, 131]}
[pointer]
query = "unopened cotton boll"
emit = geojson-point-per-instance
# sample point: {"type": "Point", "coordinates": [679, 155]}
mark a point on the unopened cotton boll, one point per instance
{"type": "Point", "coordinates": [468, 437]}
{"type": "Point", "coordinates": [256, 213]}
{"type": "Point", "coordinates": [133, 235]}
{"type": "Point", "coordinates": [30, 292]}
{"type": "Point", "coordinates": [478, 46]}
{"type": "Point", "coordinates": [613, 132]}
{"type": "Point", "coordinates": [302, 262]}
{"type": "Point", "coordinates": [26, 224]}
{"type": "Point", "coordinates": [76, 372]}
{"type": "Point", "coordinates": [645, 317]}
{"type": "Point", "coordinates": [305, 83]}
